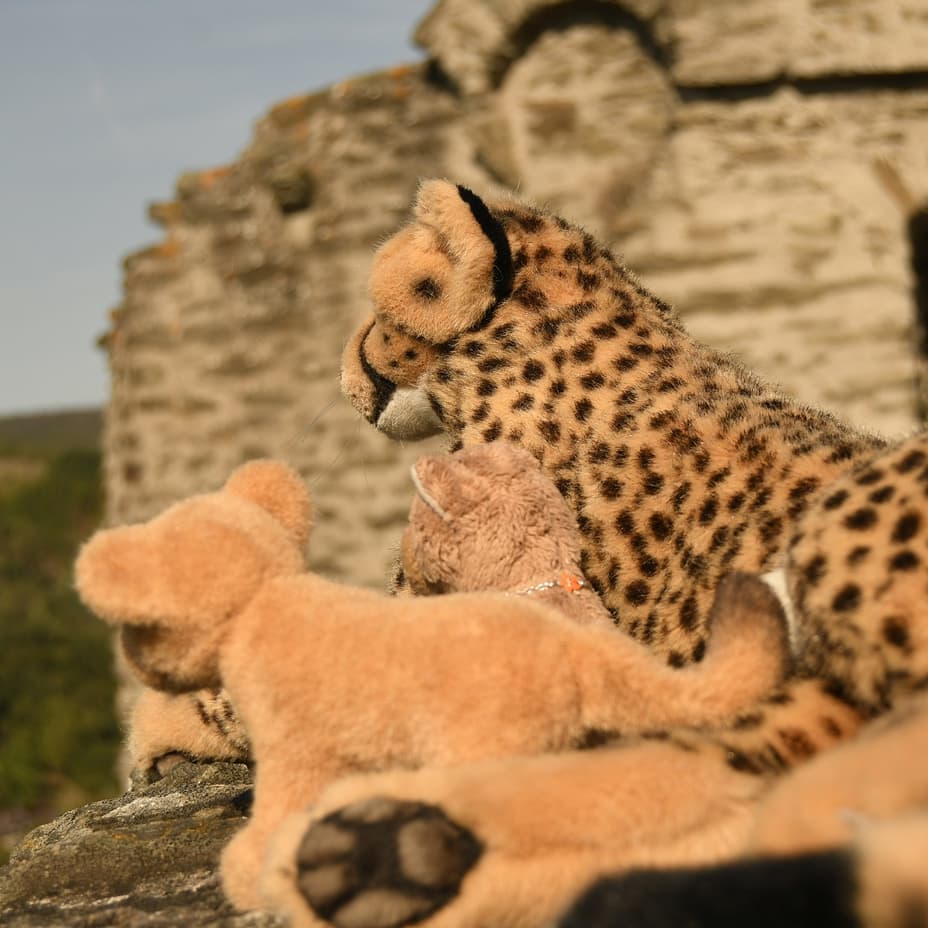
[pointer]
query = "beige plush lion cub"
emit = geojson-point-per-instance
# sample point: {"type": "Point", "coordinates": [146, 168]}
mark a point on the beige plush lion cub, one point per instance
{"type": "Point", "coordinates": [330, 679]}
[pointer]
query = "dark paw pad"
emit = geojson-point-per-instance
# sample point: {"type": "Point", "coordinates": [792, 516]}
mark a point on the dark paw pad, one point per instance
{"type": "Point", "coordinates": [383, 863]}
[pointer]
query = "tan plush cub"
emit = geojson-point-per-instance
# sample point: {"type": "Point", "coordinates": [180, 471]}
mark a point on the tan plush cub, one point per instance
{"type": "Point", "coordinates": [329, 679]}
{"type": "Point", "coordinates": [489, 520]}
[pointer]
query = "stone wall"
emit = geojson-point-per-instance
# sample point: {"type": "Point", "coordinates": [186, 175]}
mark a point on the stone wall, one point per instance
{"type": "Point", "coordinates": [725, 147]}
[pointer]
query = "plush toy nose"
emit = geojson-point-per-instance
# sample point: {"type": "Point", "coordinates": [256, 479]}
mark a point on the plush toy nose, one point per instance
{"type": "Point", "coordinates": [110, 575]}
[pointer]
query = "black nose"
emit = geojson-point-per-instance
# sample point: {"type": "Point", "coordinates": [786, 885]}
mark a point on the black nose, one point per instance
{"type": "Point", "coordinates": [383, 388]}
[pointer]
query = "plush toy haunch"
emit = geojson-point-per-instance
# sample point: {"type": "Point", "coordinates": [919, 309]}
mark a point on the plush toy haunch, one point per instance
{"type": "Point", "coordinates": [330, 679]}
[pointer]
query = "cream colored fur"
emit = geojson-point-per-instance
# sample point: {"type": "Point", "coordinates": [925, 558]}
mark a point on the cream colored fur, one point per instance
{"type": "Point", "coordinates": [329, 679]}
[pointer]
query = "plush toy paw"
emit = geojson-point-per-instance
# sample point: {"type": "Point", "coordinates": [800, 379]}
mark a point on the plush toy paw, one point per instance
{"type": "Point", "coordinates": [383, 862]}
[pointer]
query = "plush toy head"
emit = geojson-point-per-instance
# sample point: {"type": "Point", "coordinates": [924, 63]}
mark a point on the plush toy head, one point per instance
{"type": "Point", "coordinates": [431, 282]}
{"type": "Point", "coordinates": [173, 584]}
{"type": "Point", "coordinates": [486, 518]}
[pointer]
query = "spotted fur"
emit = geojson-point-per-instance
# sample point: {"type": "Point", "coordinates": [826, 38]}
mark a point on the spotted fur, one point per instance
{"type": "Point", "coordinates": [500, 321]}
{"type": "Point", "coordinates": [857, 571]}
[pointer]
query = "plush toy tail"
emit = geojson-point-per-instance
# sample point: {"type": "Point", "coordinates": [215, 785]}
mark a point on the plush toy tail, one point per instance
{"type": "Point", "coordinates": [748, 653]}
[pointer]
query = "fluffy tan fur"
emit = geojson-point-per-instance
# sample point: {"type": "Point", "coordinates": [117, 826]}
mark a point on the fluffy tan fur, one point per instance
{"type": "Point", "coordinates": [504, 526]}
{"type": "Point", "coordinates": [548, 825]}
{"type": "Point", "coordinates": [446, 231]}
{"type": "Point", "coordinates": [330, 679]}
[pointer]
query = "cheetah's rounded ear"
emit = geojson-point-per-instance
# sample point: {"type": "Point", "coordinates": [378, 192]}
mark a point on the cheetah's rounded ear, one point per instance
{"type": "Point", "coordinates": [443, 274]}
{"type": "Point", "coordinates": [277, 489]}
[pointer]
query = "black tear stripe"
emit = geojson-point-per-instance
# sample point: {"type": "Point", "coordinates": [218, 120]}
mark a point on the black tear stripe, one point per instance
{"type": "Point", "coordinates": [503, 270]}
{"type": "Point", "coordinates": [383, 388]}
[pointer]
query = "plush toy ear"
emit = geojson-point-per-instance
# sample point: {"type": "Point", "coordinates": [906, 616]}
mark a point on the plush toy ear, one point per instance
{"type": "Point", "coordinates": [279, 490]}
{"type": "Point", "coordinates": [442, 275]}
{"type": "Point", "coordinates": [446, 485]}
{"type": "Point", "coordinates": [112, 573]}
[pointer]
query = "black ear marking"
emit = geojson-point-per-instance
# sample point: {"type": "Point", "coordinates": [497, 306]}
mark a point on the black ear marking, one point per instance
{"type": "Point", "coordinates": [503, 271]}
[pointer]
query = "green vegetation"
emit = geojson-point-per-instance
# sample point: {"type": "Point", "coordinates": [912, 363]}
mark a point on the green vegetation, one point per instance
{"type": "Point", "coordinates": [58, 733]}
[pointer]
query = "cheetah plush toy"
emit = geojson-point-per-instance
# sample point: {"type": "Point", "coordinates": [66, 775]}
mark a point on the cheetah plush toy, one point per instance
{"type": "Point", "coordinates": [496, 320]}
{"type": "Point", "coordinates": [328, 679]}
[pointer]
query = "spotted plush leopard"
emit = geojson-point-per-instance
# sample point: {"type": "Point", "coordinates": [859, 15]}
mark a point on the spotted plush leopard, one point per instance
{"type": "Point", "coordinates": [496, 320]}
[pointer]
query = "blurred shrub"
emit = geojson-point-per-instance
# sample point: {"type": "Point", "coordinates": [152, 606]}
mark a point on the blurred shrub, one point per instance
{"type": "Point", "coordinates": [58, 732]}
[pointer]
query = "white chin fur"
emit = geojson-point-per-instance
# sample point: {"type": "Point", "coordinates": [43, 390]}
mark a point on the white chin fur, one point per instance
{"type": "Point", "coordinates": [776, 580]}
{"type": "Point", "coordinates": [409, 416]}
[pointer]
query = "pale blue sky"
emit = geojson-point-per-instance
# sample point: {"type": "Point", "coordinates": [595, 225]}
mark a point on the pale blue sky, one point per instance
{"type": "Point", "coordinates": [102, 104]}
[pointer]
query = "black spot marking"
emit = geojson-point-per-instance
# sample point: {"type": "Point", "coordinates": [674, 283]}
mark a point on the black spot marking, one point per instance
{"type": "Point", "coordinates": [835, 499]}
{"type": "Point", "coordinates": [550, 431]}
{"type": "Point", "coordinates": [896, 632]}
{"type": "Point", "coordinates": [599, 453]}
{"type": "Point", "coordinates": [689, 614]}
{"type": "Point", "coordinates": [622, 421]}
{"type": "Point", "coordinates": [524, 401]}
{"type": "Point", "coordinates": [624, 320]}
{"type": "Point", "coordinates": [611, 488]}
{"type": "Point", "coordinates": [814, 570]}
{"type": "Point", "coordinates": [625, 364]}
{"type": "Point", "coordinates": [904, 560]}
{"type": "Point", "coordinates": [861, 519]}
{"type": "Point", "coordinates": [907, 527]}
{"type": "Point", "coordinates": [481, 412]}
{"type": "Point", "coordinates": [625, 523]}
{"type": "Point", "coordinates": [847, 599]}
{"type": "Point", "coordinates": [736, 502]}
{"type": "Point", "coordinates": [428, 288]}
{"type": "Point", "coordinates": [709, 510]}
{"type": "Point", "coordinates": [474, 349]}
{"type": "Point", "coordinates": [592, 380]}
{"type": "Point", "coordinates": [530, 297]}
{"type": "Point", "coordinates": [588, 282]}
{"type": "Point", "coordinates": [582, 409]}
{"type": "Point", "coordinates": [533, 370]}
{"type": "Point", "coordinates": [653, 483]}
{"type": "Point", "coordinates": [857, 554]}
{"type": "Point", "coordinates": [548, 328]}
{"type": "Point", "coordinates": [680, 495]}
{"type": "Point", "coordinates": [584, 352]}
{"type": "Point", "coordinates": [771, 528]}
{"type": "Point", "coordinates": [870, 476]}
{"type": "Point", "coordinates": [637, 592]}
{"type": "Point", "coordinates": [661, 526]}
{"type": "Point", "coordinates": [882, 494]}
{"type": "Point", "coordinates": [486, 388]}
{"type": "Point", "coordinates": [493, 431]}
{"type": "Point", "coordinates": [912, 460]}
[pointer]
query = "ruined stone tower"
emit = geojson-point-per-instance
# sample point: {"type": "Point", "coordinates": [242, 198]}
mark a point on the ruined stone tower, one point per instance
{"type": "Point", "coordinates": [725, 147]}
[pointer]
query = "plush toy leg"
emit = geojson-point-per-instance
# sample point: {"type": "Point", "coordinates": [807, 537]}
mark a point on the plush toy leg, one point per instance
{"type": "Point", "coordinates": [503, 842]}
{"type": "Point", "coordinates": [278, 794]}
